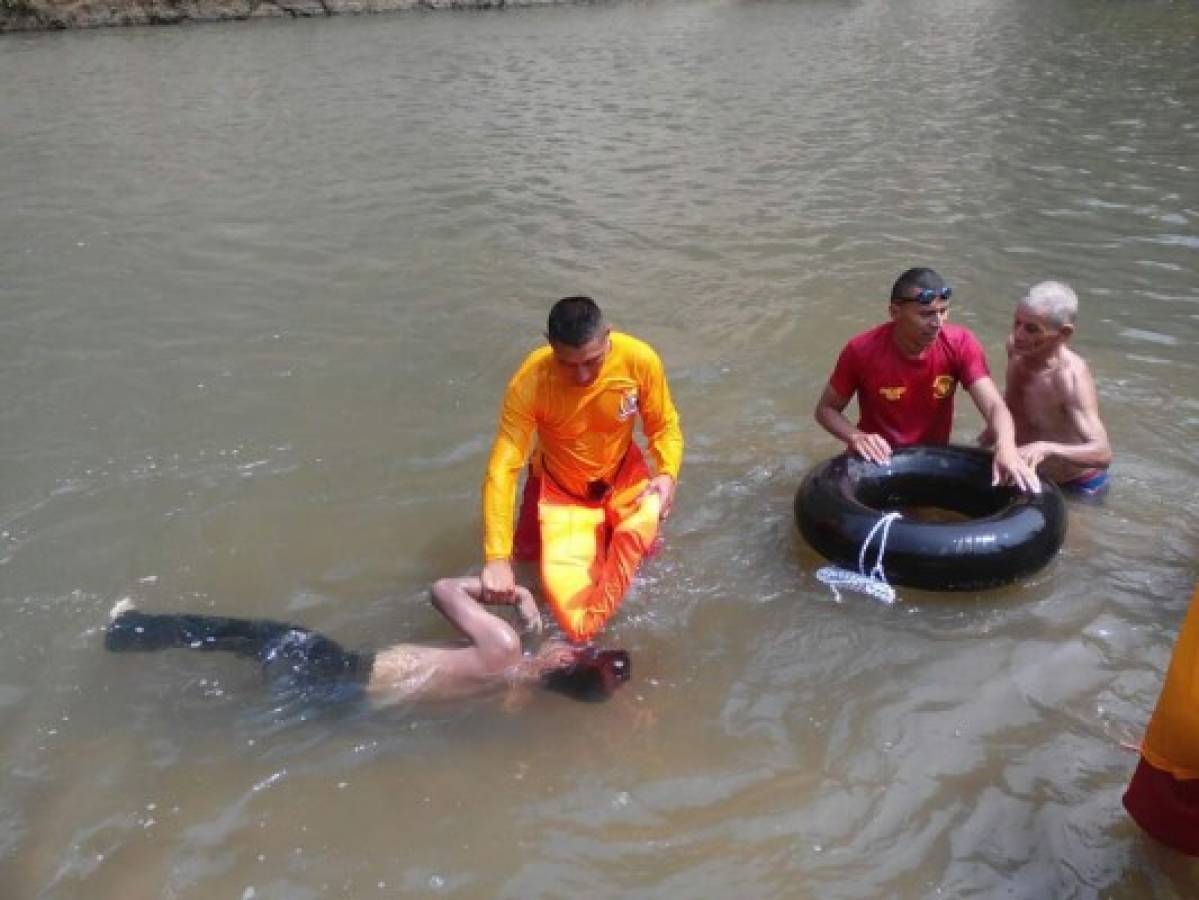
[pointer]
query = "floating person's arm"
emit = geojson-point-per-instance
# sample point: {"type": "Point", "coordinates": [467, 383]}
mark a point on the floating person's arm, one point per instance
{"type": "Point", "coordinates": [458, 599]}
{"type": "Point", "coordinates": [527, 611]}
{"type": "Point", "coordinates": [1007, 466]}
{"type": "Point", "coordinates": [1094, 450]}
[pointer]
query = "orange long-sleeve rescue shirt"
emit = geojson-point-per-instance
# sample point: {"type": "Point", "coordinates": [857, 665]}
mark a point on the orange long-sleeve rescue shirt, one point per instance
{"type": "Point", "coordinates": [1172, 740]}
{"type": "Point", "coordinates": [583, 432]}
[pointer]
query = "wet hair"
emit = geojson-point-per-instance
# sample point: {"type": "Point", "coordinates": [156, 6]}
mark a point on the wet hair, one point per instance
{"type": "Point", "coordinates": [1055, 300]}
{"type": "Point", "coordinates": [574, 321]}
{"type": "Point", "coordinates": [592, 675]}
{"type": "Point", "coordinates": [915, 280]}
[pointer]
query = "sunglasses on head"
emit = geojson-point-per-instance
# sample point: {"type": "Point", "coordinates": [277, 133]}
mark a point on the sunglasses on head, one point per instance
{"type": "Point", "coordinates": [927, 295]}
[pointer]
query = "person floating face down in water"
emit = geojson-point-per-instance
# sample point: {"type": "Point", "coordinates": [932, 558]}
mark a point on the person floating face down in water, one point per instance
{"type": "Point", "coordinates": [490, 660]}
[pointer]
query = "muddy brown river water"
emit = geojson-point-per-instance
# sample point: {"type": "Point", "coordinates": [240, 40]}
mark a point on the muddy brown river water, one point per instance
{"type": "Point", "coordinates": [263, 284]}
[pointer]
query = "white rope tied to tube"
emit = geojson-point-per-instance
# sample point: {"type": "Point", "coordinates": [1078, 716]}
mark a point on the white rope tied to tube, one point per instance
{"type": "Point", "coordinates": [873, 583]}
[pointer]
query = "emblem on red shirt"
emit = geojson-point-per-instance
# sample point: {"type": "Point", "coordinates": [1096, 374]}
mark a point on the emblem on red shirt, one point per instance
{"type": "Point", "coordinates": [942, 386]}
{"type": "Point", "coordinates": [892, 393]}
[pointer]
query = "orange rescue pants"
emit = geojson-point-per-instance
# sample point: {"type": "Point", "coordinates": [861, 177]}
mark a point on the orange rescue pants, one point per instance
{"type": "Point", "coordinates": [1164, 794]}
{"type": "Point", "coordinates": [589, 549]}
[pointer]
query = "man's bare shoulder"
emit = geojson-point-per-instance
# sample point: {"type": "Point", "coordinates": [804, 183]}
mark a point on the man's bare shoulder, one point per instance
{"type": "Point", "coordinates": [1074, 360]}
{"type": "Point", "coordinates": [1074, 372]}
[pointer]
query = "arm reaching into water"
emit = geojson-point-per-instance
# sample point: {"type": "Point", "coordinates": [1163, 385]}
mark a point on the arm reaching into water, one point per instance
{"type": "Point", "coordinates": [1082, 406]}
{"type": "Point", "coordinates": [830, 415]}
{"type": "Point", "coordinates": [660, 420]}
{"type": "Point", "coordinates": [509, 451]}
{"type": "Point", "coordinates": [1008, 466]}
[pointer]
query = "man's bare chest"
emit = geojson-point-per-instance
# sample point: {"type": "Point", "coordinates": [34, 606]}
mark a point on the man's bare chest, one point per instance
{"type": "Point", "coordinates": [1039, 397]}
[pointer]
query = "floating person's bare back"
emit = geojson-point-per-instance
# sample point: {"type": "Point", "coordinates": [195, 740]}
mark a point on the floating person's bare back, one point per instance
{"type": "Point", "coordinates": [407, 673]}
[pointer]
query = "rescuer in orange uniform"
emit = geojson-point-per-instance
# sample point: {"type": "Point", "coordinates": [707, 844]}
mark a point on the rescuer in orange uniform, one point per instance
{"type": "Point", "coordinates": [597, 505]}
{"type": "Point", "coordinates": [1164, 793]}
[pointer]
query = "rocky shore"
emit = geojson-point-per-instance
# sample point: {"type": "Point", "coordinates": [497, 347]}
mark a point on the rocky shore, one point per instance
{"type": "Point", "coordinates": [41, 15]}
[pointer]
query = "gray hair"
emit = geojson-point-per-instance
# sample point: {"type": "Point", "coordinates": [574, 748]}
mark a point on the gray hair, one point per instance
{"type": "Point", "coordinates": [1055, 300]}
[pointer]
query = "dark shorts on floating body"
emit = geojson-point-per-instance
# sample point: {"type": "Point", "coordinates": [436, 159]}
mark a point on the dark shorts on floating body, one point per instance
{"type": "Point", "coordinates": [294, 660]}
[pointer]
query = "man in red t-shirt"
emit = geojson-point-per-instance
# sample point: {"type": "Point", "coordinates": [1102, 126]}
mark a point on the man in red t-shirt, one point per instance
{"type": "Point", "coordinates": [905, 373]}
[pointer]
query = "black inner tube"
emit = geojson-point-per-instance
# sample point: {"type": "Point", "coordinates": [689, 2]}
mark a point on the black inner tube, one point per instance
{"type": "Point", "coordinates": [964, 488]}
{"type": "Point", "coordinates": [1007, 533]}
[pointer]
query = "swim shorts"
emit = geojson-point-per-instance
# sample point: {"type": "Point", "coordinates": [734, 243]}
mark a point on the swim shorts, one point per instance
{"type": "Point", "coordinates": [1088, 485]}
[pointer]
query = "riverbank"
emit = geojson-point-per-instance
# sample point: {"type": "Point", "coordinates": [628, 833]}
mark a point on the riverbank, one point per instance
{"type": "Point", "coordinates": [52, 15]}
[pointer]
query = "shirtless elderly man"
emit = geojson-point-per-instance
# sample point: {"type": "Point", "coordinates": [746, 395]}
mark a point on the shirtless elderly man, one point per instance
{"type": "Point", "coordinates": [296, 660]}
{"type": "Point", "coordinates": [1052, 396]}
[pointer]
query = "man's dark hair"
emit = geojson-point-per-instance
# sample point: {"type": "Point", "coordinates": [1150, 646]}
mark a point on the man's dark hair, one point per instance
{"type": "Point", "coordinates": [574, 321]}
{"type": "Point", "coordinates": [593, 675]}
{"type": "Point", "coordinates": [914, 280]}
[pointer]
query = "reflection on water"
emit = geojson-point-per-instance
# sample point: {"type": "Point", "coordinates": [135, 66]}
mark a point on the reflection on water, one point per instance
{"type": "Point", "coordinates": [264, 283]}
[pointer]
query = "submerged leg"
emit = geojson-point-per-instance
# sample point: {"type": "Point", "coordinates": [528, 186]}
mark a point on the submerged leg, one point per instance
{"type": "Point", "coordinates": [286, 652]}
{"type": "Point", "coordinates": [134, 630]}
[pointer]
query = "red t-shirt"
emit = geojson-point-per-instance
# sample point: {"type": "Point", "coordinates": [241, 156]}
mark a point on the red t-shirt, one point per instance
{"type": "Point", "coordinates": [908, 401]}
